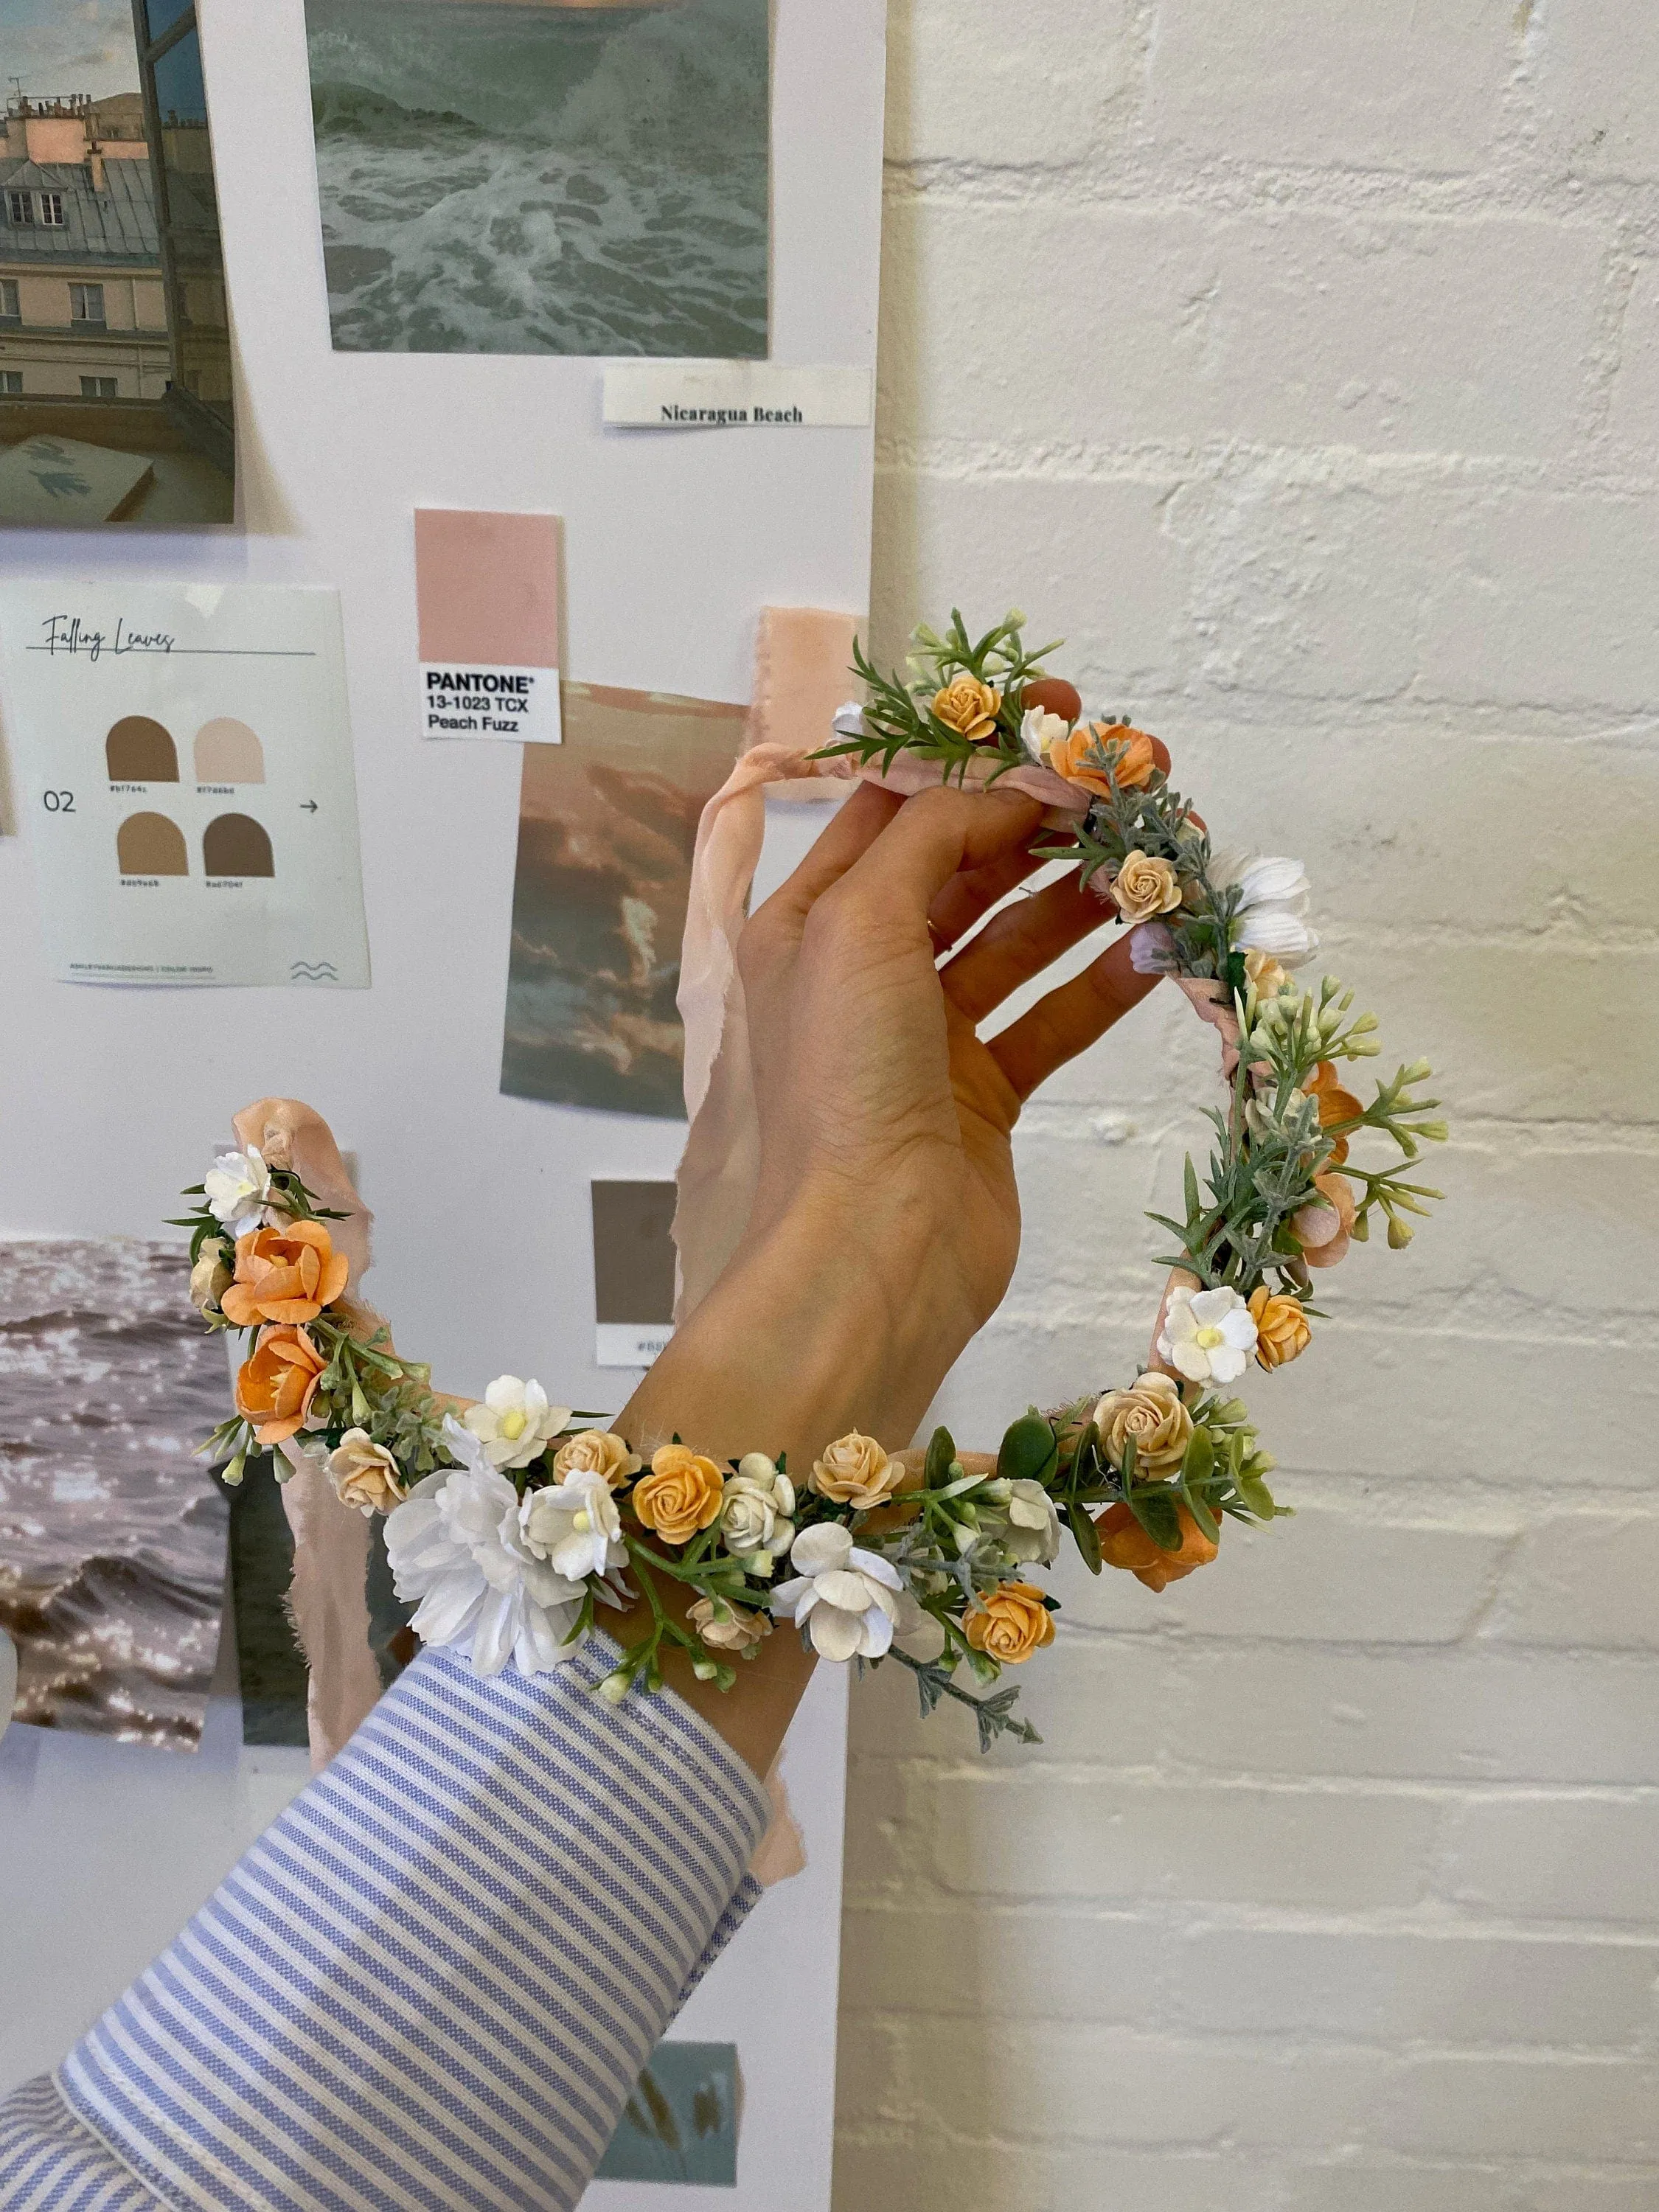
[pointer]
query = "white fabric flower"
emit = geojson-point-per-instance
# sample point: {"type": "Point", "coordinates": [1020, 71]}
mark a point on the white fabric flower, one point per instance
{"type": "Point", "coordinates": [757, 1503]}
{"type": "Point", "coordinates": [848, 721]}
{"type": "Point", "coordinates": [516, 1423]}
{"type": "Point", "coordinates": [1038, 730]}
{"type": "Point", "coordinates": [1207, 1335]}
{"type": "Point", "coordinates": [1273, 904]}
{"type": "Point", "coordinates": [917, 1633]}
{"type": "Point", "coordinates": [1033, 1534]}
{"type": "Point", "coordinates": [849, 1597]}
{"type": "Point", "coordinates": [455, 1544]}
{"type": "Point", "coordinates": [236, 1187]}
{"type": "Point", "coordinates": [574, 1526]}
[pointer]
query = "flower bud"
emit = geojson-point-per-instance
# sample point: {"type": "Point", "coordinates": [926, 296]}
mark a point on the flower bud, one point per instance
{"type": "Point", "coordinates": [704, 1669]}
{"type": "Point", "coordinates": [1400, 1234]}
{"type": "Point", "coordinates": [614, 1688]}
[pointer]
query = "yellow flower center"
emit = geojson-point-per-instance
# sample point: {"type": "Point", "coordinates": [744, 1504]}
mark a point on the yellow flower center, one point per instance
{"type": "Point", "coordinates": [1208, 1338]}
{"type": "Point", "coordinates": [581, 1522]}
{"type": "Point", "coordinates": [514, 1425]}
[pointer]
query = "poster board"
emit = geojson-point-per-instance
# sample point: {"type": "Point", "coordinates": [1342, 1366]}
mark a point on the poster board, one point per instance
{"type": "Point", "coordinates": [672, 541]}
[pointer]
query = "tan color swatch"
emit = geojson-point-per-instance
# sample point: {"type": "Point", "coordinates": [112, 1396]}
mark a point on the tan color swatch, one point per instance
{"type": "Point", "coordinates": [487, 587]}
{"type": "Point", "coordinates": [227, 751]}
{"type": "Point", "coordinates": [150, 845]}
{"type": "Point", "coordinates": [140, 751]}
{"type": "Point", "coordinates": [236, 845]}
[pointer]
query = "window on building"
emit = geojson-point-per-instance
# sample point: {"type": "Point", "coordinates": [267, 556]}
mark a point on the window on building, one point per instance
{"type": "Point", "coordinates": [20, 207]}
{"type": "Point", "coordinates": [10, 311]}
{"type": "Point", "coordinates": [97, 387]}
{"type": "Point", "coordinates": [11, 383]}
{"type": "Point", "coordinates": [87, 304]}
{"type": "Point", "coordinates": [52, 210]}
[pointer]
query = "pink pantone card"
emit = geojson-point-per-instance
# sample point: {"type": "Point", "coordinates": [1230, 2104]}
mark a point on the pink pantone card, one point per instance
{"type": "Point", "coordinates": [486, 593]}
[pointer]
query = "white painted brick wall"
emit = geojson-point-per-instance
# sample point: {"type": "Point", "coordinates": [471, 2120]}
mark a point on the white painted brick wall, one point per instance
{"type": "Point", "coordinates": [1300, 362]}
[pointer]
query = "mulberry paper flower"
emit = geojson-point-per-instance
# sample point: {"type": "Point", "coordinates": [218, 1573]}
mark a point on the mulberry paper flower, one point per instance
{"type": "Point", "coordinates": [1207, 1335]}
{"type": "Point", "coordinates": [236, 1187]}
{"type": "Point", "coordinates": [849, 1598]}
{"type": "Point", "coordinates": [514, 1423]}
{"type": "Point", "coordinates": [455, 1545]}
{"type": "Point", "coordinates": [574, 1526]}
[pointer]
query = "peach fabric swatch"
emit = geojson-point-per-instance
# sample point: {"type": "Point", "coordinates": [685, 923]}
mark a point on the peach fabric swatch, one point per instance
{"type": "Point", "coordinates": [802, 673]}
{"type": "Point", "coordinates": [487, 586]}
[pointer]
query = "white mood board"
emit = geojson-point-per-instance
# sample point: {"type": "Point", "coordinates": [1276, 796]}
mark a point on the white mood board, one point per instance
{"type": "Point", "coordinates": [110, 1098]}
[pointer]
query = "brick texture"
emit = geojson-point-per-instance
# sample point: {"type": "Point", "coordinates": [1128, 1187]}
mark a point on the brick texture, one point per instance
{"type": "Point", "coordinates": [1300, 362]}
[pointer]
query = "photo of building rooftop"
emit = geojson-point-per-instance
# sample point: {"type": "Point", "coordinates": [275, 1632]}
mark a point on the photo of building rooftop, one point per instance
{"type": "Point", "coordinates": [115, 380]}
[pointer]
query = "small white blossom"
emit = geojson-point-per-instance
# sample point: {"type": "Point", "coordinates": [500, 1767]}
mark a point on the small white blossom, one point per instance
{"type": "Point", "coordinates": [516, 1423]}
{"type": "Point", "coordinates": [1207, 1335]}
{"type": "Point", "coordinates": [455, 1544]}
{"type": "Point", "coordinates": [574, 1526]}
{"type": "Point", "coordinates": [848, 721]}
{"type": "Point", "coordinates": [1272, 904]}
{"type": "Point", "coordinates": [849, 1598]}
{"type": "Point", "coordinates": [917, 1633]}
{"type": "Point", "coordinates": [1033, 1534]}
{"type": "Point", "coordinates": [236, 1187]}
{"type": "Point", "coordinates": [1038, 730]}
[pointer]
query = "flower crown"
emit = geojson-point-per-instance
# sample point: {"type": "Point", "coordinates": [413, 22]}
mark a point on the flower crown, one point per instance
{"type": "Point", "coordinates": [510, 1527]}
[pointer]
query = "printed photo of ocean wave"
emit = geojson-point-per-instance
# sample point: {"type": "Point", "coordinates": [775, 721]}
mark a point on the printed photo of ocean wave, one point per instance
{"type": "Point", "coordinates": [111, 1531]}
{"type": "Point", "coordinates": [543, 176]}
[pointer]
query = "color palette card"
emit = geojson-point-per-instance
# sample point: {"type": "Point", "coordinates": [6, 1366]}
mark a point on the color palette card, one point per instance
{"type": "Point", "coordinates": [184, 759]}
{"type": "Point", "coordinates": [633, 1272]}
{"type": "Point", "coordinates": [487, 592]}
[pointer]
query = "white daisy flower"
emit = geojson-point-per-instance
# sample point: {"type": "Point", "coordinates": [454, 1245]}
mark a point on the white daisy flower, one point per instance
{"type": "Point", "coordinates": [515, 1424]}
{"type": "Point", "coordinates": [1207, 1335]}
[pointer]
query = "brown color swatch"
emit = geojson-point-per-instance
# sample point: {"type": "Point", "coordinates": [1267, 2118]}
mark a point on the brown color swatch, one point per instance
{"type": "Point", "coordinates": [227, 751]}
{"type": "Point", "coordinates": [150, 845]}
{"type": "Point", "coordinates": [139, 750]}
{"type": "Point", "coordinates": [236, 845]}
{"type": "Point", "coordinates": [634, 1253]}
{"type": "Point", "coordinates": [487, 587]}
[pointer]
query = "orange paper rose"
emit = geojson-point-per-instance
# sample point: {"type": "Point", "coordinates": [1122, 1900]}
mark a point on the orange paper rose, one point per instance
{"type": "Point", "coordinates": [1324, 1226]}
{"type": "Point", "coordinates": [682, 1494]}
{"type": "Point", "coordinates": [1281, 1328]}
{"type": "Point", "coordinates": [1010, 1623]}
{"type": "Point", "coordinates": [284, 1275]}
{"type": "Point", "coordinates": [1335, 1104]}
{"type": "Point", "coordinates": [1125, 1543]}
{"type": "Point", "coordinates": [275, 1388]}
{"type": "Point", "coordinates": [1074, 758]}
{"type": "Point", "coordinates": [967, 705]}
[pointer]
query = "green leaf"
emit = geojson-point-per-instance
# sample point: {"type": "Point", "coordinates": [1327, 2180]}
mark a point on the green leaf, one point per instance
{"type": "Point", "coordinates": [1030, 1451]}
{"type": "Point", "coordinates": [1086, 1536]}
{"type": "Point", "coordinates": [936, 1468]}
{"type": "Point", "coordinates": [1155, 1508]}
{"type": "Point", "coordinates": [1257, 1495]}
{"type": "Point", "coordinates": [1198, 1463]}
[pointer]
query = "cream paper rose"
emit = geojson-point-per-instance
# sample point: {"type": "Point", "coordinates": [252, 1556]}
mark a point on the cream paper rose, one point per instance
{"type": "Point", "coordinates": [755, 1508]}
{"type": "Point", "coordinates": [1144, 887]}
{"type": "Point", "coordinates": [210, 1277]}
{"type": "Point", "coordinates": [737, 1631]}
{"type": "Point", "coordinates": [364, 1473]}
{"type": "Point", "coordinates": [1033, 1534]}
{"type": "Point", "coordinates": [855, 1471]}
{"type": "Point", "coordinates": [596, 1451]}
{"type": "Point", "coordinates": [1152, 1413]}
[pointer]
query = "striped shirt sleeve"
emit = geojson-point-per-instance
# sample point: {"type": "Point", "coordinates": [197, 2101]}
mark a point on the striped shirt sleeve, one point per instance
{"type": "Point", "coordinates": [433, 1982]}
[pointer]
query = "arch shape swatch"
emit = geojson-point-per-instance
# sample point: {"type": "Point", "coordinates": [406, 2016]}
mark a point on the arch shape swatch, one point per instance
{"type": "Point", "coordinates": [237, 845]}
{"type": "Point", "coordinates": [228, 752]}
{"type": "Point", "coordinates": [140, 750]}
{"type": "Point", "coordinates": [150, 845]}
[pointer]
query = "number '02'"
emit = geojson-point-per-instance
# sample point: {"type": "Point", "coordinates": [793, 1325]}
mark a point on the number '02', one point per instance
{"type": "Point", "coordinates": [59, 802]}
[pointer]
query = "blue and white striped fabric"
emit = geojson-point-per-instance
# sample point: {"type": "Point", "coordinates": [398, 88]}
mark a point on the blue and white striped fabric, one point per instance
{"type": "Point", "coordinates": [433, 1982]}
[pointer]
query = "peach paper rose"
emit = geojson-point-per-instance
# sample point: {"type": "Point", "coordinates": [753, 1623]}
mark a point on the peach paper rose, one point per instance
{"type": "Point", "coordinates": [1281, 1328]}
{"type": "Point", "coordinates": [1144, 887]}
{"type": "Point", "coordinates": [595, 1451]}
{"type": "Point", "coordinates": [970, 707]}
{"type": "Point", "coordinates": [1010, 1623]}
{"type": "Point", "coordinates": [286, 1275]}
{"type": "Point", "coordinates": [682, 1494]}
{"type": "Point", "coordinates": [1125, 1543]}
{"type": "Point", "coordinates": [1129, 751]}
{"type": "Point", "coordinates": [1324, 1226]}
{"type": "Point", "coordinates": [275, 1388]}
{"type": "Point", "coordinates": [855, 1471]}
{"type": "Point", "coordinates": [1152, 1413]}
{"type": "Point", "coordinates": [1335, 1104]}
{"type": "Point", "coordinates": [1266, 974]}
{"type": "Point", "coordinates": [736, 1632]}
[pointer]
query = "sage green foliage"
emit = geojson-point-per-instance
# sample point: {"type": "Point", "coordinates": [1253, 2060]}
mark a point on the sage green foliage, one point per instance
{"type": "Point", "coordinates": [899, 715]}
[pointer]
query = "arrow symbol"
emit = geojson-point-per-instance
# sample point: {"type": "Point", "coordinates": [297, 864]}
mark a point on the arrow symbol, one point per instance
{"type": "Point", "coordinates": [307, 806]}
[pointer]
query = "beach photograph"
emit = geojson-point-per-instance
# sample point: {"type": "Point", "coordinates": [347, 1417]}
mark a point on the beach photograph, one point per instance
{"type": "Point", "coordinates": [112, 1532]}
{"type": "Point", "coordinates": [116, 404]}
{"type": "Point", "coordinates": [607, 821]}
{"type": "Point", "coordinates": [539, 176]}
